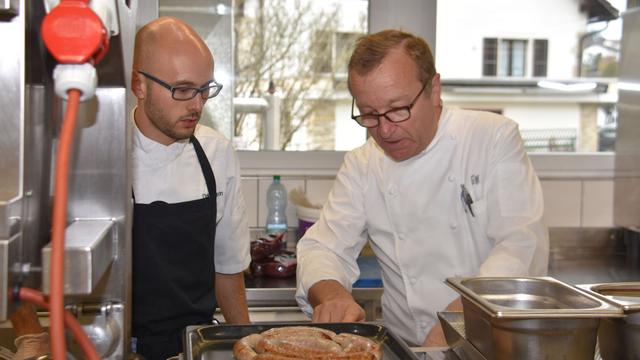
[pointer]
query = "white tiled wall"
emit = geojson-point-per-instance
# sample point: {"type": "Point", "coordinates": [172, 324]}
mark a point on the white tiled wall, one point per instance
{"type": "Point", "coordinates": [597, 203]}
{"type": "Point", "coordinates": [562, 202]}
{"type": "Point", "coordinates": [578, 203]}
{"type": "Point", "coordinates": [250, 192]}
{"type": "Point", "coordinates": [568, 203]}
{"type": "Point", "coordinates": [578, 188]}
{"type": "Point", "coordinates": [255, 194]}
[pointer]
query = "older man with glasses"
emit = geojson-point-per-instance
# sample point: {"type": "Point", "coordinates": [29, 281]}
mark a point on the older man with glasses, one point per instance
{"type": "Point", "coordinates": [436, 191]}
{"type": "Point", "coordinates": [190, 234]}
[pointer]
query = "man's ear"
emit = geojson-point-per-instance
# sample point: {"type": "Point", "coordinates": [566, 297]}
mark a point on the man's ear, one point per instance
{"type": "Point", "coordinates": [435, 96]}
{"type": "Point", "coordinates": [137, 85]}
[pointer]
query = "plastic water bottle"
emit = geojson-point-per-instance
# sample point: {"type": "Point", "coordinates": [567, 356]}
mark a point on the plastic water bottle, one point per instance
{"type": "Point", "coordinates": [277, 204]}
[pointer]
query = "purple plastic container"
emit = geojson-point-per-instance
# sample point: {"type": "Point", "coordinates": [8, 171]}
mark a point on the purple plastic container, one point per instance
{"type": "Point", "coordinates": [306, 218]}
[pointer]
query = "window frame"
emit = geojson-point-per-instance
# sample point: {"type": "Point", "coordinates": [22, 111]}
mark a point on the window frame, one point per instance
{"type": "Point", "coordinates": [510, 57]}
{"type": "Point", "coordinates": [326, 162]}
{"type": "Point", "coordinates": [492, 54]}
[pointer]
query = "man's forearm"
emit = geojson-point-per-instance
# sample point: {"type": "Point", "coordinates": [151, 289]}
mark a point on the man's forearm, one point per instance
{"type": "Point", "coordinates": [232, 298]}
{"type": "Point", "coordinates": [326, 290]}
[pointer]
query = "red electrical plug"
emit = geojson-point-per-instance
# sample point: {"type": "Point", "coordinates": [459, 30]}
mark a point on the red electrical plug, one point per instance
{"type": "Point", "coordinates": [74, 34]}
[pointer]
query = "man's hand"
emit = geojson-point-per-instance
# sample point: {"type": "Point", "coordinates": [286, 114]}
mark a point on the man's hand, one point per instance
{"type": "Point", "coordinates": [435, 337]}
{"type": "Point", "coordinates": [436, 334]}
{"type": "Point", "coordinates": [332, 303]}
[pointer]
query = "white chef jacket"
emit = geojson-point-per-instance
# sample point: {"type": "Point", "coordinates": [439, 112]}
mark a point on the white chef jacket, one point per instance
{"type": "Point", "coordinates": [172, 174]}
{"type": "Point", "coordinates": [412, 214]}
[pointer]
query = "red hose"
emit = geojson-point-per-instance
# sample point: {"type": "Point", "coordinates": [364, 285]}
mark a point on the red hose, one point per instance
{"type": "Point", "coordinates": [78, 333]}
{"type": "Point", "coordinates": [59, 224]}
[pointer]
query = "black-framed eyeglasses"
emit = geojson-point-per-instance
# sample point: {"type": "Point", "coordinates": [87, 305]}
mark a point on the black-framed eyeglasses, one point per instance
{"type": "Point", "coordinates": [395, 115]}
{"type": "Point", "coordinates": [184, 93]}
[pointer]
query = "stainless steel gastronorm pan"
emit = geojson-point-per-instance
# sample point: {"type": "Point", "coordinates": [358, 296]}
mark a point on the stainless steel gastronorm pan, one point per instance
{"type": "Point", "coordinates": [215, 342]}
{"type": "Point", "coordinates": [619, 338]}
{"type": "Point", "coordinates": [530, 318]}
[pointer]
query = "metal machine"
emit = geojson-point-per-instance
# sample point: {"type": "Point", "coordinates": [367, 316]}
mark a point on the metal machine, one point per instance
{"type": "Point", "coordinates": [97, 223]}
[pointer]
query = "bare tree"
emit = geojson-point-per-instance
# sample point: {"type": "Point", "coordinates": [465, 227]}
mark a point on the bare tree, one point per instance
{"type": "Point", "coordinates": [288, 46]}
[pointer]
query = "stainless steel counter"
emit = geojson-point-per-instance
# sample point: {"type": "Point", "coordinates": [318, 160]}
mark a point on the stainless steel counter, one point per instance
{"type": "Point", "coordinates": [587, 256]}
{"type": "Point", "coordinates": [577, 256]}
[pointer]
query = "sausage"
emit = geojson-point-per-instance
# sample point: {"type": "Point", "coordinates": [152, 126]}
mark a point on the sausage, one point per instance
{"type": "Point", "coordinates": [273, 357]}
{"type": "Point", "coordinates": [244, 349]}
{"type": "Point", "coordinates": [356, 344]}
{"type": "Point", "coordinates": [304, 346]}
{"type": "Point", "coordinates": [299, 330]}
{"type": "Point", "coordinates": [305, 342]}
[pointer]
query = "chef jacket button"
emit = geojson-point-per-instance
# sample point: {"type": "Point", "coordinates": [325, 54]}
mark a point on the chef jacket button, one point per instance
{"type": "Point", "coordinates": [451, 178]}
{"type": "Point", "coordinates": [423, 325]}
{"type": "Point", "coordinates": [413, 281]}
{"type": "Point", "coordinates": [453, 225]}
{"type": "Point", "coordinates": [393, 190]}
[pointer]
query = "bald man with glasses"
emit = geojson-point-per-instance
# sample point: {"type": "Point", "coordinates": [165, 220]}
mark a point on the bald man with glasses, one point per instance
{"type": "Point", "coordinates": [436, 192]}
{"type": "Point", "coordinates": [190, 233]}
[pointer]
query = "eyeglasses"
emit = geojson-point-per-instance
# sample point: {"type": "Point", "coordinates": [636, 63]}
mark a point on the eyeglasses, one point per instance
{"type": "Point", "coordinates": [184, 93]}
{"type": "Point", "coordinates": [395, 115]}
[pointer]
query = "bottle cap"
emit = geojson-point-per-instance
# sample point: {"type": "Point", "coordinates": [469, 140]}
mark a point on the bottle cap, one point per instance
{"type": "Point", "coordinates": [276, 177]}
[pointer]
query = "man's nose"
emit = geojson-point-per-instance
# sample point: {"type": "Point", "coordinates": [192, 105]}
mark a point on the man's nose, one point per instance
{"type": "Point", "coordinates": [197, 103]}
{"type": "Point", "coordinates": [385, 127]}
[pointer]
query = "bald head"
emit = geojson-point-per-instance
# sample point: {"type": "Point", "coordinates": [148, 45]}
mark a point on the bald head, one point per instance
{"type": "Point", "coordinates": [164, 37]}
{"type": "Point", "coordinates": [169, 56]}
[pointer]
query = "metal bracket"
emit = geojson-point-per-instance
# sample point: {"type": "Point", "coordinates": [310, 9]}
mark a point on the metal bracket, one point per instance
{"type": "Point", "coordinates": [88, 253]}
{"type": "Point", "coordinates": [9, 8]}
{"type": "Point", "coordinates": [8, 253]}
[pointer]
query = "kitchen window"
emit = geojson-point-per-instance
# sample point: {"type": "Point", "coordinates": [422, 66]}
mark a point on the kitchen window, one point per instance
{"type": "Point", "coordinates": [332, 50]}
{"type": "Point", "coordinates": [493, 62]}
{"type": "Point", "coordinates": [299, 73]}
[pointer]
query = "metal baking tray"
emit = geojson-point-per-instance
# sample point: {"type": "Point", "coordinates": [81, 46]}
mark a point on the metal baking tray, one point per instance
{"type": "Point", "coordinates": [215, 342]}
{"type": "Point", "coordinates": [454, 332]}
{"type": "Point", "coordinates": [619, 338]}
{"type": "Point", "coordinates": [531, 298]}
{"type": "Point", "coordinates": [625, 295]}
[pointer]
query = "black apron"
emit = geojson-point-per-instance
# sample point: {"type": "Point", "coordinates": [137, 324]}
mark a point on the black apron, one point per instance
{"type": "Point", "coordinates": [173, 268]}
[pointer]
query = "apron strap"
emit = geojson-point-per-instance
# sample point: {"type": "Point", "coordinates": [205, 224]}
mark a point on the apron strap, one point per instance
{"type": "Point", "coordinates": [208, 174]}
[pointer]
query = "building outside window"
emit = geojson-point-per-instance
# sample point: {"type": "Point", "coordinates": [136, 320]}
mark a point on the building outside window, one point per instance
{"type": "Point", "coordinates": [508, 57]}
{"type": "Point", "coordinates": [543, 63]}
{"type": "Point", "coordinates": [547, 64]}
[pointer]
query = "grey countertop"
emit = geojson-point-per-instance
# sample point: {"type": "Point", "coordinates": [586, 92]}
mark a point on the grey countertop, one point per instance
{"type": "Point", "coordinates": [611, 268]}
